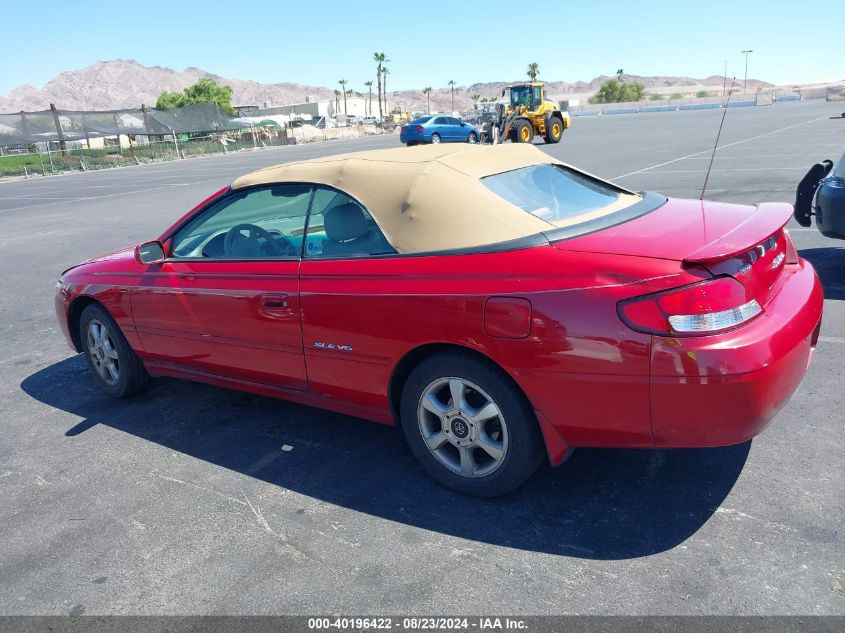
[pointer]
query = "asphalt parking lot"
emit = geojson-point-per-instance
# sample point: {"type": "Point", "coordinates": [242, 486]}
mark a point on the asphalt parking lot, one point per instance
{"type": "Point", "coordinates": [195, 500]}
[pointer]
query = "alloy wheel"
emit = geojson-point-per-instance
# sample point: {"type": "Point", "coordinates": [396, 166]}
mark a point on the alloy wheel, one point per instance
{"type": "Point", "coordinates": [463, 427]}
{"type": "Point", "coordinates": [102, 352]}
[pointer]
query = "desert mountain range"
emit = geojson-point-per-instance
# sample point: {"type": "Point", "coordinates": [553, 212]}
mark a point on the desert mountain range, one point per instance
{"type": "Point", "coordinates": [124, 83]}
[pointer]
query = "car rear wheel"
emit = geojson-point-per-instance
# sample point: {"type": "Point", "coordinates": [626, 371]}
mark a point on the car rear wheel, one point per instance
{"type": "Point", "coordinates": [435, 138]}
{"type": "Point", "coordinates": [469, 426]}
{"type": "Point", "coordinates": [113, 364]}
{"type": "Point", "coordinates": [472, 138]}
{"type": "Point", "coordinates": [523, 132]}
{"type": "Point", "coordinates": [554, 130]}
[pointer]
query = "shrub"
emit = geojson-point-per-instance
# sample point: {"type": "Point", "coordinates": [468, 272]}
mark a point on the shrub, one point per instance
{"type": "Point", "coordinates": [655, 97]}
{"type": "Point", "coordinates": [702, 93]}
{"type": "Point", "coordinates": [676, 95]}
{"type": "Point", "coordinates": [612, 91]}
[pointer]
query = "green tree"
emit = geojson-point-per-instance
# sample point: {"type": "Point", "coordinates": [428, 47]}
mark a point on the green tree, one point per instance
{"type": "Point", "coordinates": [533, 70]}
{"type": "Point", "coordinates": [612, 91]}
{"type": "Point", "coordinates": [452, 86]}
{"type": "Point", "coordinates": [619, 73]}
{"type": "Point", "coordinates": [204, 91]}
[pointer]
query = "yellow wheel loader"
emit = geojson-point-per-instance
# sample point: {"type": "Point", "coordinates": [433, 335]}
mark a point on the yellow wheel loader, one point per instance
{"type": "Point", "coordinates": [525, 115]}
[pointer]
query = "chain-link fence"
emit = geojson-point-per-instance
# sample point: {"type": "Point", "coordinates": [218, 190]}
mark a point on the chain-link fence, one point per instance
{"type": "Point", "coordinates": [53, 141]}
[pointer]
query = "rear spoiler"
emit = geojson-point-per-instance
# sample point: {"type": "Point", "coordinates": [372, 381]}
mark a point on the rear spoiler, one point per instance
{"type": "Point", "coordinates": [768, 218]}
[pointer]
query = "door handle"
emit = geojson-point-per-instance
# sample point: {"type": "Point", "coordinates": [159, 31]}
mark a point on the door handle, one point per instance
{"type": "Point", "coordinates": [275, 302]}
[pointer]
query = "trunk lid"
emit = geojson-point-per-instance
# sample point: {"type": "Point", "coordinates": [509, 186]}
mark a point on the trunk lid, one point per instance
{"type": "Point", "coordinates": [743, 241]}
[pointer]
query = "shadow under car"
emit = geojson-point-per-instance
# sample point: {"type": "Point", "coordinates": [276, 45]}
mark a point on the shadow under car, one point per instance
{"type": "Point", "coordinates": [601, 504]}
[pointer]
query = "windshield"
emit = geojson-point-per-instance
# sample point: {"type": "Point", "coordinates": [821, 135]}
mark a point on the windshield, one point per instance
{"type": "Point", "coordinates": [520, 95]}
{"type": "Point", "coordinates": [526, 95]}
{"type": "Point", "coordinates": [558, 195]}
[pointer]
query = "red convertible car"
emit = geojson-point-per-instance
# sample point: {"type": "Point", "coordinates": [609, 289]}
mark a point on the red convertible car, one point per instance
{"type": "Point", "coordinates": [498, 305]}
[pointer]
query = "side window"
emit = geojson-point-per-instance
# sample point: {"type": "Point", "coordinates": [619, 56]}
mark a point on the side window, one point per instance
{"type": "Point", "coordinates": [453, 121]}
{"type": "Point", "coordinates": [259, 223]}
{"type": "Point", "coordinates": [441, 120]}
{"type": "Point", "coordinates": [340, 227]}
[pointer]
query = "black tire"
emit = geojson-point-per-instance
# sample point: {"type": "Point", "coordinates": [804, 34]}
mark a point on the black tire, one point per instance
{"type": "Point", "coordinates": [554, 129]}
{"type": "Point", "coordinates": [522, 443]}
{"type": "Point", "coordinates": [523, 132]}
{"type": "Point", "coordinates": [131, 378]}
{"type": "Point", "coordinates": [435, 138]}
{"type": "Point", "coordinates": [472, 138]}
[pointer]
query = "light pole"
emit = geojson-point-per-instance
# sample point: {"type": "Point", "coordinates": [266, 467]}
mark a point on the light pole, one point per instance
{"type": "Point", "coordinates": [725, 78]}
{"type": "Point", "coordinates": [746, 67]}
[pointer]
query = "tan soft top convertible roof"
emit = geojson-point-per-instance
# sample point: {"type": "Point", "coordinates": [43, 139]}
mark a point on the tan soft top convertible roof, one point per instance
{"type": "Point", "coordinates": [426, 198]}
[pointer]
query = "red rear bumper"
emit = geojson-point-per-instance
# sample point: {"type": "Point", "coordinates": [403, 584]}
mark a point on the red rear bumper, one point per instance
{"type": "Point", "coordinates": [725, 389]}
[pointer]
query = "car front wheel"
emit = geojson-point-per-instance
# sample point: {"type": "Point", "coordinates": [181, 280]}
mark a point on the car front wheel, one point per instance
{"type": "Point", "coordinates": [469, 425]}
{"type": "Point", "coordinates": [114, 366]}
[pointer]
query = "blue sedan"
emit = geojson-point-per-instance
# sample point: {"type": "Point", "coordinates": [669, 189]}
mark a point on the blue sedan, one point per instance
{"type": "Point", "coordinates": [437, 129]}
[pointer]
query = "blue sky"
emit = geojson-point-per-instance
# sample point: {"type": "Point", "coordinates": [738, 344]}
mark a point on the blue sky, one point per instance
{"type": "Point", "coordinates": [429, 43]}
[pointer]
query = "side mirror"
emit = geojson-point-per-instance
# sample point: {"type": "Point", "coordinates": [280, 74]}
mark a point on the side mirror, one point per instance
{"type": "Point", "coordinates": [150, 253]}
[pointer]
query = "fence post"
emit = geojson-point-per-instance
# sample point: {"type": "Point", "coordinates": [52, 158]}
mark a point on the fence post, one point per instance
{"type": "Point", "coordinates": [176, 143]}
{"type": "Point", "coordinates": [50, 158]}
{"type": "Point", "coordinates": [59, 132]}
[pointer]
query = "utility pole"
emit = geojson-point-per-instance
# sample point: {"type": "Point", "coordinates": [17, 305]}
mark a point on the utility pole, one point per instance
{"type": "Point", "coordinates": [746, 67]}
{"type": "Point", "coordinates": [725, 78]}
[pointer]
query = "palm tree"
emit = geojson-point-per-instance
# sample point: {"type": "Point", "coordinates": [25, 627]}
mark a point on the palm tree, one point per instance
{"type": "Point", "coordinates": [343, 83]}
{"type": "Point", "coordinates": [533, 70]}
{"type": "Point", "coordinates": [452, 86]}
{"type": "Point", "coordinates": [384, 73]}
{"type": "Point", "coordinates": [336, 102]}
{"type": "Point", "coordinates": [369, 85]}
{"type": "Point", "coordinates": [380, 58]}
{"type": "Point", "coordinates": [619, 74]}
{"type": "Point", "coordinates": [427, 93]}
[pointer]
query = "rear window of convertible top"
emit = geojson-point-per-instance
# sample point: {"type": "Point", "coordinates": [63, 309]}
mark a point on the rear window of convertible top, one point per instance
{"type": "Point", "coordinates": [559, 196]}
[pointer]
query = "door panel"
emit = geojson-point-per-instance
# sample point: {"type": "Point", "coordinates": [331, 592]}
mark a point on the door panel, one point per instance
{"type": "Point", "coordinates": [226, 301]}
{"type": "Point", "coordinates": [234, 319]}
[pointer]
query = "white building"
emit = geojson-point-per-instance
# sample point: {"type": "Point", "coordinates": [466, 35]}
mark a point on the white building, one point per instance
{"type": "Point", "coordinates": [354, 106]}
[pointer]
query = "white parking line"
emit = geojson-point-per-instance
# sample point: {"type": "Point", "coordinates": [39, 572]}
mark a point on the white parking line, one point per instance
{"type": "Point", "coordinates": [832, 339]}
{"type": "Point", "coordinates": [701, 171]}
{"type": "Point", "coordinates": [87, 198]}
{"type": "Point", "coordinates": [706, 151]}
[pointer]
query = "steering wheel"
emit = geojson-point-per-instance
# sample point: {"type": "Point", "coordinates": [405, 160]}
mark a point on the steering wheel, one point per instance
{"type": "Point", "coordinates": [236, 244]}
{"type": "Point", "coordinates": [283, 242]}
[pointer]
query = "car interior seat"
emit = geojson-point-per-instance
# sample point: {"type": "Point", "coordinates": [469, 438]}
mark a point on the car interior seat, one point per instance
{"type": "Point", "coordinates": [349, 234]}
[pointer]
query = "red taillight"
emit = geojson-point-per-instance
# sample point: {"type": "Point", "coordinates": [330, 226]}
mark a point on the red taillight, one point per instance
{"type": "Point", "coordinates": [701, 308]}
{"type": "Point", "coordinates": [419, 128]}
